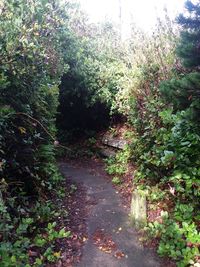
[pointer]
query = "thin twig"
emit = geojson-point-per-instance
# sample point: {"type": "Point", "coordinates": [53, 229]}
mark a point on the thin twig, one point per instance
{"type": "Point", "coordinates": [43, 127]}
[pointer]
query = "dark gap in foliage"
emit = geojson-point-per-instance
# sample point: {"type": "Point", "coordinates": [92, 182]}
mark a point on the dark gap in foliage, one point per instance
{"type": "Point", "coordinates": [78, 115]}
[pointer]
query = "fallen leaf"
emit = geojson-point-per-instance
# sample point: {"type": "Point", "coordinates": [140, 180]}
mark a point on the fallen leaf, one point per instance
{"type": "Point", "coordinates": [57, 254]}
{"type": "Point", "coordinates": [22, 130]}
{"type": "Point", "coordinates": [119, 254]}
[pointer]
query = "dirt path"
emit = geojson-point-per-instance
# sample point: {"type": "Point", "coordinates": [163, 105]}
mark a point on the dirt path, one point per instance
{"type": "Point", "coordinates": [112, 242]}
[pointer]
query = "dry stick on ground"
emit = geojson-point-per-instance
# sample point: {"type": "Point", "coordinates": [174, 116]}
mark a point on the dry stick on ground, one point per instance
{"type": "Point", "coordinates": [56, 143]}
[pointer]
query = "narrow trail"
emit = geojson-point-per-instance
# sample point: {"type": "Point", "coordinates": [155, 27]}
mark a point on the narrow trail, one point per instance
{"type": "Point", "coordinates": [112, 242]}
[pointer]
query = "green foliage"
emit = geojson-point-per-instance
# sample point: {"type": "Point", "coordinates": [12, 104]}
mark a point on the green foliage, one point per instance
{"type": "Point", "coordinates": [16, 254]}
{"type": "Point", "coordinates": [48, 55]}
{"type": "Point", "coordinates": [166, 150]}
{"type": "Point", "coordinates": [116, 180]}
{"type": "Point", "coordinates": [184, 94]}
{"type": "Point", "coordinates": [188, 49]}
{"type": "Point", "coordinates": [26, 228]}
{"type": "Point", "coordinates": [183, 91]}
{"type": "Point", "coordinates": [32, 61]}
{"type": "Point", "coordinates": [166, 146]}
{"type": "Point", "coordinates": [31, 65]}
{"type": "Point", "coordinates": [117, 165]}
{"type": "Point", "coordinates": [155, 193]}
{"type": "Point", "coordinates": [180, 241]}
{"type": "Point", "coordinates": [88, 89]}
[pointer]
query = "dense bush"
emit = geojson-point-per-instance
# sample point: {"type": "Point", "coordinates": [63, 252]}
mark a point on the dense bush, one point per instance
{"type": "Point", "coordinates": [167, 142]}
{"type": "Point", "coordinates": [88, 89]}
{"type": "Point", "coordinates": [31, 66]}
{"type": "Point", "coordinates": [32, 56]}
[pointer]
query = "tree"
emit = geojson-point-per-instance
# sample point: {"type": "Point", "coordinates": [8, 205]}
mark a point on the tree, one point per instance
{"type": "Point", "coordinates": [184, 90]}
{"type": "Point", "coordinates": [189, 48]}
{"type": "Point", "coordinates": [33, 37]}
{"type": "Point", "coordinates": [32, 59]}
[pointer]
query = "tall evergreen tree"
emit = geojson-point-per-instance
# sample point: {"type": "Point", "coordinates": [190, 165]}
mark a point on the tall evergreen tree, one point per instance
{"type": "Point", "coordinates": [189, 48]}
{"type": "Point", "coordinates": [184, 92]}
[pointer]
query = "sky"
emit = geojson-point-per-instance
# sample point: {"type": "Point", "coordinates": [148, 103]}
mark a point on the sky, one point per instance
{"type": "Point", "coordinates": [142, 12]}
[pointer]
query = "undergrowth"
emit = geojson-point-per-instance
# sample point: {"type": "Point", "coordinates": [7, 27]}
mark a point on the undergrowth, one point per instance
{"type": "Point", "coordinates": [164, 113]}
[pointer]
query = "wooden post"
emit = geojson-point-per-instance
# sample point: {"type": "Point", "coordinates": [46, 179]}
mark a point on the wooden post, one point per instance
{"type": "Point", "coordinates": [138, 211]}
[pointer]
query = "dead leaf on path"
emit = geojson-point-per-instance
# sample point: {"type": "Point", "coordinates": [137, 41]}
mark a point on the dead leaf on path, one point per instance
{"type": "Point", "coordinates": [84, 239]}
{"type": "Point", "coordinates": [75, 237]}
{"type": "Point", "coordinates": [119, 254]}
{"type": "Point", "coordinates": [105, 249]}
{"type": "Point", "coordinates": [104, 241]}
{"type": "Point", "coordinates": [119, 230]}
